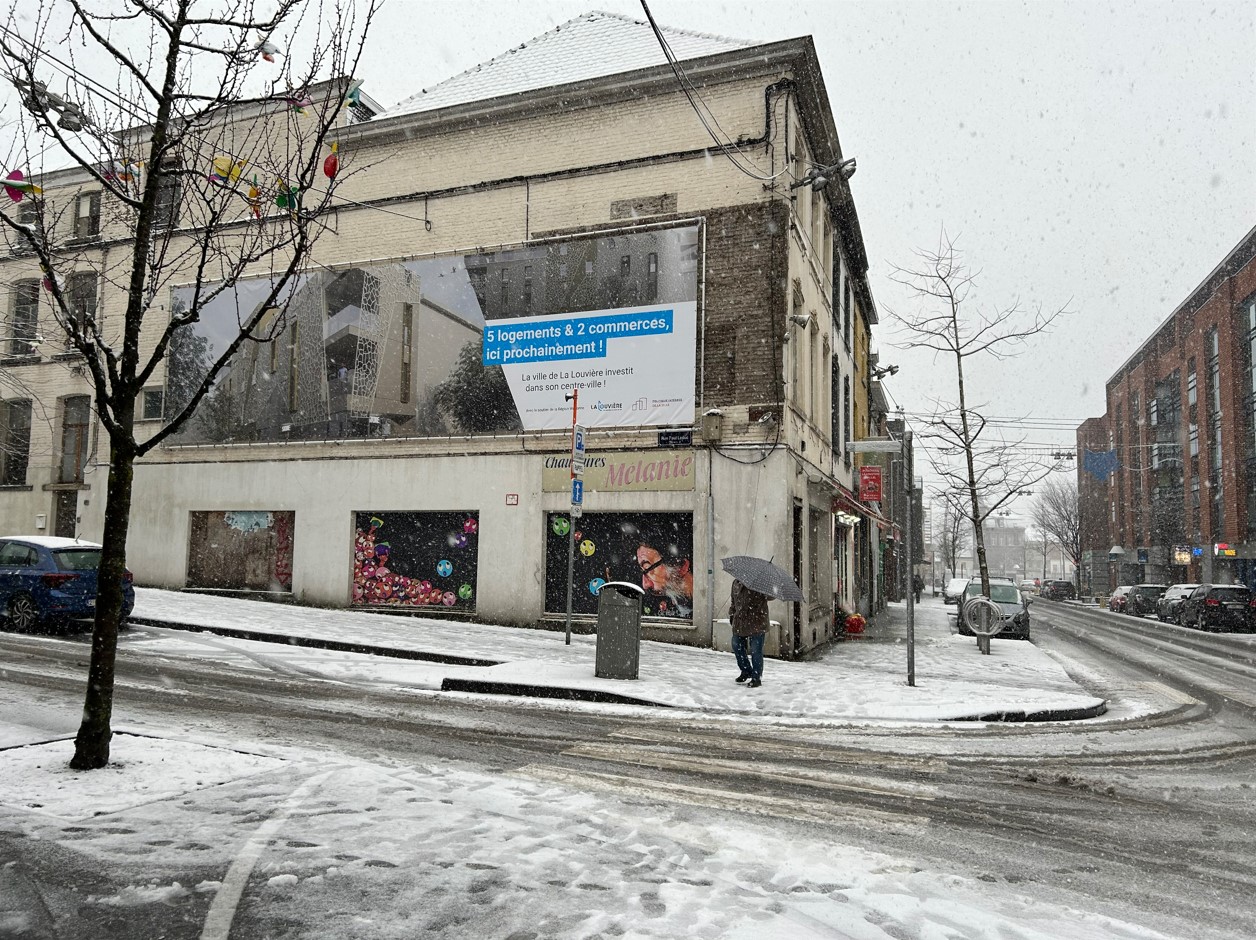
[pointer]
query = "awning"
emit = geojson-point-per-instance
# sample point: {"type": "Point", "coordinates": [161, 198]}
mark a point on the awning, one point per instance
{"type": "Point", "coordinates": [845, 503]}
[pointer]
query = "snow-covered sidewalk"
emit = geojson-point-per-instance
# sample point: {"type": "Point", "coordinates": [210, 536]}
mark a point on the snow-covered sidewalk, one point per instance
{"type": "Point", "coordinates": [864, 679]}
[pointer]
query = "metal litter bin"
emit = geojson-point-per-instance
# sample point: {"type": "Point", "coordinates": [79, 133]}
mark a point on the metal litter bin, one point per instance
{"type": "Point", "coordinates": [618, 630]}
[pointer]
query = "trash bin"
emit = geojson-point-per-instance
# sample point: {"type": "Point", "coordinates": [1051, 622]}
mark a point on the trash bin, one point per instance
{"type": "Point", "coordinates": [618, 630]}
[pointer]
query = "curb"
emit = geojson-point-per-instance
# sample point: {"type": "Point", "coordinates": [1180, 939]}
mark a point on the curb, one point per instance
{"type": "Point", "coordinates": [338, 646]}
{"type": "Point", "coordinates": [1048, 714]}
{"type": "Point", "coordinates": [544, 691]}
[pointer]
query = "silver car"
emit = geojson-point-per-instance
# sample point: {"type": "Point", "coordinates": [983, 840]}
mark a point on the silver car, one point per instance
{"type": "Point", "coordinates": [954, 590]}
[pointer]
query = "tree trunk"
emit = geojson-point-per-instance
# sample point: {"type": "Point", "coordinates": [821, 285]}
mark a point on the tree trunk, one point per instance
{"type": "Point", "coordinates": [91, 745]}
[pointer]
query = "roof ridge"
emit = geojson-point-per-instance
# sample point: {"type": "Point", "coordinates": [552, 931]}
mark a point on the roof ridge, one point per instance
{"type": "Point", "coordinates": [674, 29]}
{"type": "Point", "coordinates": [590, 16]}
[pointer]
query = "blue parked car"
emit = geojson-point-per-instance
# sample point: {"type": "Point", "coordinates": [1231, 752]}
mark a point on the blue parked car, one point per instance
{"type": "Point", "coordinates": [49, 580]}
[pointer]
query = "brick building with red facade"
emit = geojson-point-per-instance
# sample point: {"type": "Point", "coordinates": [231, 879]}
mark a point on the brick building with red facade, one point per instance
{"type": "Point", "coordinates": [1180, 506]}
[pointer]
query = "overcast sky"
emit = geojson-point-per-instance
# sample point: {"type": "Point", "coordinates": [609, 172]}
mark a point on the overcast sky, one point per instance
{"type": "Point", "coordinates": [1095, 155]}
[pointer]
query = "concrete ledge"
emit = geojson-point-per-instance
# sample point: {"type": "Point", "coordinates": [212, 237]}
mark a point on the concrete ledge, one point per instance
{"type": "Point", "coordinates": [318, 644]}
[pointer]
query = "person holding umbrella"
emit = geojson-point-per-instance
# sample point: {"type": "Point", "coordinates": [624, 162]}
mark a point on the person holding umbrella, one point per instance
{"type": "Point", "coordinates": [749, 617]}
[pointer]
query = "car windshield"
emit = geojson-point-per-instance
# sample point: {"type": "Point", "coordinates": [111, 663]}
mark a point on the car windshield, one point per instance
{"type": "Point", "coordinates": [78, 559]}
{"type": "Point", "coordinates": [1002, 593]}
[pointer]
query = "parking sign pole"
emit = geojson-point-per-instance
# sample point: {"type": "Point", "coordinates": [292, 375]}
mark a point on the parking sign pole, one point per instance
{"type": "Point", "coordinates": [577, 438]}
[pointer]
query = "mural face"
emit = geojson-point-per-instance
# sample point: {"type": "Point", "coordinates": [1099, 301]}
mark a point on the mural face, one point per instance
{"type": "Point", "coordinates": [416, 559]}
{"type": "Point", "coordinates": [460, 344]}
{"type": "Point", "coordinates": [652, 549]}
{"type": "Point", "coordinates": [240, 551]}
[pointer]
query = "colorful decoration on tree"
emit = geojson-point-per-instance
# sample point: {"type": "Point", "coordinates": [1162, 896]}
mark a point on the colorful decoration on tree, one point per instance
{"type": "Point", "coordinates": [288, 197]}
{"type": "Point", "coordinates": [268, 50]}
{"type": "Point", "coordinates": [125, 172]}
{"type": "Point", "coordinates": [299, 104]}
{"type": "Point", "coordinates": [353, 96]}
{"type": "Point", "coordinates": [227, 171]}
{"type": "Point", "coordinates": [18, 187]}
{"type": "Point", "coordinates": [255, 199]}
{"type": "Point", "coordinates": [331, 166]}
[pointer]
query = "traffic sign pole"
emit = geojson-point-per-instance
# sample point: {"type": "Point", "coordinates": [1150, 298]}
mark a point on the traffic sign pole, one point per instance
{"type": "Point", "coordinates": [577, 489]}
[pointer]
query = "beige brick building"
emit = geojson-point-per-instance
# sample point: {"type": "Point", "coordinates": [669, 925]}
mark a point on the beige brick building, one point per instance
{"type": "Point", "coordinates": [376, 454]}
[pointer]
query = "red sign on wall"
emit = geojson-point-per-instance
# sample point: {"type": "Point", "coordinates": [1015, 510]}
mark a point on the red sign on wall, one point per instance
{"type": "Point", "coordinates": [870, 484]}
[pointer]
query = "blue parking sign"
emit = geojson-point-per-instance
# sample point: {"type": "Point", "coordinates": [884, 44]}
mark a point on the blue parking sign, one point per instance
{"type": "Point", "coordinates": [577, 492]}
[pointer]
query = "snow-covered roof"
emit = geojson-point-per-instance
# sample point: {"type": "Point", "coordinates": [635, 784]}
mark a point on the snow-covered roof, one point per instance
{"type": "Point", "coordinates": [594, 45]}
{"type": "Point", "coordinates": [50, 541]}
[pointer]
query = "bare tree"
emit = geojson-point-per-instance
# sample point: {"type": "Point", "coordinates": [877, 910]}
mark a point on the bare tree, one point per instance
{"type": "Point", "coordinates": [1056, 514]}
{"type": "Point", "coordinates": [992, 471]}
{"type": "Point", "coordinates": [954, 537]}
{"type": "Point", "coordinates": [203, 144]}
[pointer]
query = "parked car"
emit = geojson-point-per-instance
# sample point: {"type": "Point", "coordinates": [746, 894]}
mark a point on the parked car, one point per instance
{"type": "Point", "coordinates": [1218, 607]}
{"type": "Point", "coordinates": [1142, 599]}
{"type": "Point", "coordinates": [954, 590]}
{"type": "Point", "coordinates": [51, 581]}
{"type": "Point", "coordinates": [1014, 605]}
{"type": "Point", "coordinates": [1116, 603]}
{"type": "Point", "coordinates": [1169, 607]}
{"type": "Point", "coordinates": [1058, 591]}
{"type": "Point", "coordinates": [1029, 587]}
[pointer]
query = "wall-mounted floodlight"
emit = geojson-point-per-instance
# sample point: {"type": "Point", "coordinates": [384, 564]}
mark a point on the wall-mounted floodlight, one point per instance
{"type": "Point", "coordinates": [800, 319]}
{"type": "Point", "coordinates": [883, 371]}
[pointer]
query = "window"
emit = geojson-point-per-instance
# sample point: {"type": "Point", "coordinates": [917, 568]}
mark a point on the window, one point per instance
{"type": "Point", "coordinates": [87, 215]}
{"type": "Point", "coordinates": [846, 411]}
{"type": "Point", "coordinates": [625, 266]}
{"type": "Point", "coordinates": [835, 405]}
{"type": "Point", "coordinates": [293, 362]}
{"type": "Point", "coordinates": [29, 212]}
{"type": "Point", "coordinates": [75, 425]}
{"type": "Point", "coordinates": [827, 248]}
{"type": "Point", "coordinates": [24, 318]}
{"type": "Point", "coordinates": [818, 354]}
{"type": "Point", "coordinates": [1192, 433]}
{"type": "Point", "coordinates": [15, 442]}
{"type": "Point", "coordinates": [846, 314]}
{"type": "Point", "coordinates": [81, 289]}
{"type": "Point", "coordinates": [815, 551]}
{"type": "Point", "coordinates": [167, 209]}
{"type": "Point", "coordinates": [562, 269]}
{"type": "Point", "coordinates": [802, 337]}
{"type": "Point", "coordinates": [505, 291]}
{"type": "Point", "coordinates": [1190, 381]}
{"type": "Point", "coordinates": [153, 402]}
{"type": "Point", "coordinates": [527, 287]}
{"type": "Point", "coordinates": [407, 344]}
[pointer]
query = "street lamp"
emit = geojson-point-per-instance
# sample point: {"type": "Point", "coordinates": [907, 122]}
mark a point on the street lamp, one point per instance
{"type": "Point", "coordinates": [819, 176]}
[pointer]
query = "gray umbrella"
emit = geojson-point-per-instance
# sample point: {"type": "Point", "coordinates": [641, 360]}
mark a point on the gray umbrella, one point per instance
{"type": "Point", "coordinates": [761, 575]}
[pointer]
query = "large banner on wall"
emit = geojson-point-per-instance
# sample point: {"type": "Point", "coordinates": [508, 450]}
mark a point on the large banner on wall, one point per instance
{"type": "Point", "coordinates": [633, 366]}
{"type": "Point", "coordinates": [470, 343]}
{"type": "Point", "coordinates": [652, 549]}
{"type": "Point", "coordinates": [416, 559]}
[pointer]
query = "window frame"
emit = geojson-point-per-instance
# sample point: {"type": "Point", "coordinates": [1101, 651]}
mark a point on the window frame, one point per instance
{"type": "Point", "coordinates": [87, 225]}
{"type": "Point", "coordinates": [23, 317]}
{"type": "Point", "coordinates": [15, 442]}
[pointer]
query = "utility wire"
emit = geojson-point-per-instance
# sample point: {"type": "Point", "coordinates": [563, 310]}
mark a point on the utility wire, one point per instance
{"type": "Point", "coordinates": [726, 146]}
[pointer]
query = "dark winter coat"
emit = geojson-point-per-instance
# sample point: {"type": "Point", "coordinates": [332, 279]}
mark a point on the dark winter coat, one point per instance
{"type": "Point", "coordinates": [749, 612]}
